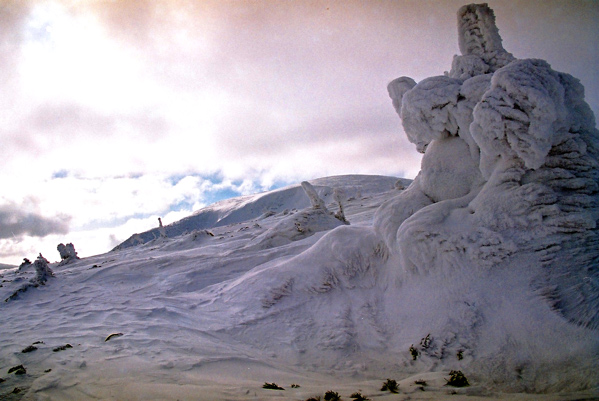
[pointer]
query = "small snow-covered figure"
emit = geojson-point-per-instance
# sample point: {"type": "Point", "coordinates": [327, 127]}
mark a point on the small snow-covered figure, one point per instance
{"type": "Point", "coordinates": [40, 256]}
{"type": "Point", "coordinates": [42, 271]}
{"type": "Point", "coordinates": [67, 251]}
{"type": "Point", "coordinates": [161, 228]}
{"type": "Point", "coordinates": [26, 263]}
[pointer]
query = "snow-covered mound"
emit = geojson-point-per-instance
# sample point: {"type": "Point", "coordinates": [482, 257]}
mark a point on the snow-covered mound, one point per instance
{"type": "Point", "coordinates": [486, 264]}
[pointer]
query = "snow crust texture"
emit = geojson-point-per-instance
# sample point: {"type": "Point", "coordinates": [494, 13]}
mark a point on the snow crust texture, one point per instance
{"type": "Point", "coordinates": [487, 263]}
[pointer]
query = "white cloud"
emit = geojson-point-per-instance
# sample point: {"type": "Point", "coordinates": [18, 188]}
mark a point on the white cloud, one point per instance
{"type": "Point", "coordinates": [121, 96]}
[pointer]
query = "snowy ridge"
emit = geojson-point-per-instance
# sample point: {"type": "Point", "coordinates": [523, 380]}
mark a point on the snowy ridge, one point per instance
{"type": "Point", "coordinates": [250, 207]}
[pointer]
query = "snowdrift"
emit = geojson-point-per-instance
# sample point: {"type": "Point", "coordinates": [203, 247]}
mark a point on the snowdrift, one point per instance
{"type": "Point", "coordinates": [487, 263]}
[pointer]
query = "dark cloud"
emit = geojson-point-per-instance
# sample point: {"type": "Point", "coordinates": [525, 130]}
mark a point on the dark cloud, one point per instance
{"type": "Point", "coordinates": [12, 14]}
{"type": "Point", "coordinates": [15, 222]}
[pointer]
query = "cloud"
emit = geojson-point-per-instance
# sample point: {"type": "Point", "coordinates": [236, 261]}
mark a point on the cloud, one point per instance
{"type": "Point", "coordinates": [15, 222]}
{"type": "Point", "coordinates": [104, 102]}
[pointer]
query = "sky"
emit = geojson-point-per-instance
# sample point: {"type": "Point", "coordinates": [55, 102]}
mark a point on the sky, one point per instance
{"type": "Point", "coordinates": [115, 113]}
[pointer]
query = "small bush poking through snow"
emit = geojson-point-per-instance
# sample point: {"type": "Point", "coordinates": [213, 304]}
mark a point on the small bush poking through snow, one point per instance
{"type": "Point", "coordinates": [359, 397]}
{"type": "Point", "coordinates": [332, 396]}
{"type": "Point", "coordinates": [390, 385]}
{"type": "Point", "coordinates": [28, 349]}
{"type": "Point", "coordinates": [426, 341]}
{"type": "Point", "coordinates": [414, 352]}
{"type": "Point", "coordinates": [272, 386]}
{"type": "Point", "coordinates": [457, 379]}
{"type": "Point", "coordinates": [62, 348]}
{"type": "Point", "coordinates": [113, 335]}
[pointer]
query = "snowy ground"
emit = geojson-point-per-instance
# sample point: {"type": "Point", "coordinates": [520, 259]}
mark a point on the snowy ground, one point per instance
{"type": "Point", "coordinates": [486, 265]}
{"type": "Point", "coordinates": [213, 315]}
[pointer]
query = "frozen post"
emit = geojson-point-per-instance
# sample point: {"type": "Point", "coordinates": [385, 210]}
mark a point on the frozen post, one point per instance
{"type": "Point", "coordinates": [161, 228]}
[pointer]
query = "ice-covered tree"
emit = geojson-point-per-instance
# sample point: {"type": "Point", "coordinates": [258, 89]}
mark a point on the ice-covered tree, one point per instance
{"type": "Point", "coordinates": [510, 166]}
{"type": "Point", "coordinates": [315, 200]}
{"type": "Point", "coordinates": [67, 253]}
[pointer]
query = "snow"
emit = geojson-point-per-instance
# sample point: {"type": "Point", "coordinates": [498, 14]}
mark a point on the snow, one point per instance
{"type": "Point", "coordinates": [5, 266]}
{"type": "Point", "coordinates": [486, 263]}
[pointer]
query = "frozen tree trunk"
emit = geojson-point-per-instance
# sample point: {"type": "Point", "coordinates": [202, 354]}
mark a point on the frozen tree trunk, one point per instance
{"type": "Point", "coordinates": [340, 215]}
{"type": "Point", "coordinates": [315, 200]}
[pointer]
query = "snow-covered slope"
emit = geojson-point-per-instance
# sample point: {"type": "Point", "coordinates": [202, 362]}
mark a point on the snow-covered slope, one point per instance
{"type": "Point", "coordinates": [214, 317]}
{"type": "Point", "coordinates": [246, 208]}
{"type": "Point", "coordinates": [486, 264]}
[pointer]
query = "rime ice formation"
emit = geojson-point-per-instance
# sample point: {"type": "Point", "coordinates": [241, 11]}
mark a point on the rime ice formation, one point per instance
{"type": "Point", "coordinates": [42, 271]}
{"type": "Point", "coordinates": [42, 274]}
{"type": "Point", "coordinates": [492, 250]}
{"type": "Point", "coordinates": [510, 166]}
{"type": "Point", "coordinates": [67, 253]}
{"type": "Point", "coordinates": [480, 44]}
{"type": "Point", "coordinates": [300, 225]}
{"type": "Point", "coordinates": [315, 200]}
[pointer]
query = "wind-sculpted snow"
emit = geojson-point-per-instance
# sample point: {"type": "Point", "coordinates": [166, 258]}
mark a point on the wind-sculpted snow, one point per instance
{"type": "Point", "coordinates": [487, 263]}
{"type": "Point", "coordinates": [522, 170]}
{"type": "Point", "coordinates": [480, 43]}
